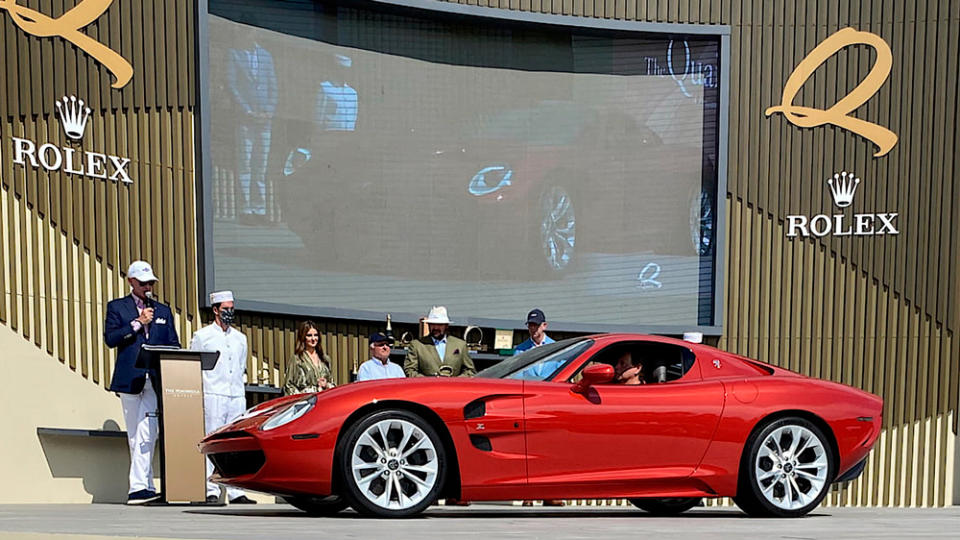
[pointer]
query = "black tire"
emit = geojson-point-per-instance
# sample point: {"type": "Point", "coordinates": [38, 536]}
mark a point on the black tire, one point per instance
{"type": "Point", "coordinates": [318, 506]}
{"type": "Point", "coordinates": [666, 506]}
{"type": "Point", "coordinates": [815, 458]}
{"type": "Point", "coordinates": [427, 454]}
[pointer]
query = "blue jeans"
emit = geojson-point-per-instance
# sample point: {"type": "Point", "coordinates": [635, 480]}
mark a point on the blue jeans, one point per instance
{"type": "Point", "coordinates": [253, 144]}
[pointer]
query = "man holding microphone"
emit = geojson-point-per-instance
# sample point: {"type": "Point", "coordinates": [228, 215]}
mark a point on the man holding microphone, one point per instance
{"type": "Point", "coordinates": [134, 321]}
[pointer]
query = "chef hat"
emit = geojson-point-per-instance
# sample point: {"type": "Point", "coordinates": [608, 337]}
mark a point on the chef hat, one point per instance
{"type": "Point", "coordinates": [221, 296]}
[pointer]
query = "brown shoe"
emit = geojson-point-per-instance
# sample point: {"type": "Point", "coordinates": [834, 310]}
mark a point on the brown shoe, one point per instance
{"type": "Point", "coordinates": [553, 502]}
{"type": "Point", "coordinates": [456, 502]}
{"type": "Point", "coordinates": [526, 503]}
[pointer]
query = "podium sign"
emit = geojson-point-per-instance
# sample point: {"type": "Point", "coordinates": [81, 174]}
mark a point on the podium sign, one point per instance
{"type": "Point", "coordinates": [180, 400]}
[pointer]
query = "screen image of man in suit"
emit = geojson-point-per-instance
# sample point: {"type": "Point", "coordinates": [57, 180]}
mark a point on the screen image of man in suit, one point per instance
{"type": "Point", "coordinates": [438, 354]}
{"type": "Point", "coordinates": [133, 321]}
{"type": "Point", "coordinates": [252, 79]}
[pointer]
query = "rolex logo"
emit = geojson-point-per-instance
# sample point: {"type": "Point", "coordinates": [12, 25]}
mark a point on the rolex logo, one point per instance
{"type": "Point", "coordinates": [71, 159]}
{"type": "Point", "coordinates": [73, 116]}
{"type": "Point", "coordinates": [843, 185]}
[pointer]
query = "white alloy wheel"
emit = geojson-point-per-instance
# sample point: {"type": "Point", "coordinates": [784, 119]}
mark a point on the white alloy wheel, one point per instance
{"type": "Point", "coordinates": [558, 227]}
{"type": "Point", "coordinates": [701, 223]}
{"type": "Point", "coordinates": [792, 467]}
{"type": "Point", "coordinates": [394, 464]}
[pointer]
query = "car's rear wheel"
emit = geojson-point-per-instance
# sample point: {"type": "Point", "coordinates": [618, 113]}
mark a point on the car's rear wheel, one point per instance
{"type": "Point", "coordinates": [318, 506]}
{"type": "Point", "coordinates": [666, 506]}
{"type": "Point", "coordinates": [787, 469]}
{"type": "Point", "coordinates": [702, 223]}
{"type": "Point", "coordinates": [393, 464]}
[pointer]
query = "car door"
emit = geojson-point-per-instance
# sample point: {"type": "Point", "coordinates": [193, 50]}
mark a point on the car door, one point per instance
{"type": "Point", "coordinates": [618, 439]}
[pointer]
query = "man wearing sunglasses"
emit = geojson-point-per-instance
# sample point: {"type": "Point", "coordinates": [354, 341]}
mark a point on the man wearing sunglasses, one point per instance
{"type": "Point", "coordinates": [379, 365]}
{"type": "Point", "coordinates": [133, 321]}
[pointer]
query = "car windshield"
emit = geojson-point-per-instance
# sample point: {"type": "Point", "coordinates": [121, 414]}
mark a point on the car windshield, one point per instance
{"type": "Point", "coordinates": [551, 123]}
{"type": "Point", "coordinates": [539, 363]}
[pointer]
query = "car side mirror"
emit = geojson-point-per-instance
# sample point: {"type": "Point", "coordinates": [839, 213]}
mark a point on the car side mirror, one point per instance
{"type": "Point", "coordinates": [592, 375]}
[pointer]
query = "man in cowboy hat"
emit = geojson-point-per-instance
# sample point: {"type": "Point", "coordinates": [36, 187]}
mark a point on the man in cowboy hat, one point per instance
{"type": "Point", "coordinates": [438, 354]}
{"type": "Point", "coordinates": [224, 396]}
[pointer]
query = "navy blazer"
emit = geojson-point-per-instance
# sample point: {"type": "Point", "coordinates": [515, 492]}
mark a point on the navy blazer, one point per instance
{"type": "Point", "coordinates": [118, 333]}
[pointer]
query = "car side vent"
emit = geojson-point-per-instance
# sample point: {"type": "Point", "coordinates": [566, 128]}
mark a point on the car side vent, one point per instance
{"type": "Point", "coordinates": [481, 443]}
{"type": "Point", "coordinates": [475, 409]}
{"type": "Point", "coordinates": [231, 435]}
{"type": "Point", "coordinates": [238, 463]}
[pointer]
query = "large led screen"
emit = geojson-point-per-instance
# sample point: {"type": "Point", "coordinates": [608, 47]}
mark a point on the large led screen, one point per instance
{"type": "Point", "coordinates": [367, 161]}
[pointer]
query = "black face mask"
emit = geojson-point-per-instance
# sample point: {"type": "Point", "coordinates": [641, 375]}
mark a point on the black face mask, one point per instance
{"type": "Point", "coordinates": [228, 316]}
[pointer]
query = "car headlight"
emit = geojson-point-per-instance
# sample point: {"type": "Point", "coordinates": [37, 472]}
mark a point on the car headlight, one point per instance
{"type": "Point", "coordinates": [490, 179]}
{"type": "Point", "coordinates": [289, 414]}
{"type": "Point", "coordinates": [295, 159]}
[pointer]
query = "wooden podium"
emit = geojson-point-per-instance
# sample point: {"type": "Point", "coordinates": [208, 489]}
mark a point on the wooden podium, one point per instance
{"type": "Point", "coordinates": [179, 387]}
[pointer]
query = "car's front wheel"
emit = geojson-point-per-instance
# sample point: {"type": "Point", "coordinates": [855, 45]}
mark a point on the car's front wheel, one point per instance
{"type": "Point", "coordinates": [318, 506]}
{"type": "Point", "coordinates": [393, 464]}
{"type": "Point", "coordinates": [558, 228]}
{"type": "Point", "coordinates": [786, 470]}
{"type": "Point", "coordinates": [666, 506]}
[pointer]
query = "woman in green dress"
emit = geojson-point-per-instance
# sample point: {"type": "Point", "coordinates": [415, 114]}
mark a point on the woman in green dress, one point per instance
{"type": "Point", "coordinates": [308, 370]}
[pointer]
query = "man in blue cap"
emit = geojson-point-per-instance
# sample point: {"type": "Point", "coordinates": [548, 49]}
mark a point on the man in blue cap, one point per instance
{"type": "Point", "coordinates": [537, 327]}
{"type": "Point", "coordinates": [379, 365]}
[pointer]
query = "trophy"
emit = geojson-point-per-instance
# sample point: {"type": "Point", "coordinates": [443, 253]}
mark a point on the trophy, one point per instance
{"type": "Point", "coordinates": [478, 333]}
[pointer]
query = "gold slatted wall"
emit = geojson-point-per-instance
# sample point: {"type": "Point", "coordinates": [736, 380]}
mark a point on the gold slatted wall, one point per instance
{"type": "Point", "coordinates": [66, 239]}
{"type": "Point", "coordinates": [880, 313]}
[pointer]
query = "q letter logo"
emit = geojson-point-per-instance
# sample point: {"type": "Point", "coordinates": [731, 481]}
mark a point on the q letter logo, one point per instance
{"type": "Point", "coordinates": [67, 26]}
{"type": "Point", "coordinates": [838, 115]}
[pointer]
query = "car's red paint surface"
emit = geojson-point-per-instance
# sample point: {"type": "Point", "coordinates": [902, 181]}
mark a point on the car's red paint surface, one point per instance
{"type": "Point", "coordinates": [683, 438]}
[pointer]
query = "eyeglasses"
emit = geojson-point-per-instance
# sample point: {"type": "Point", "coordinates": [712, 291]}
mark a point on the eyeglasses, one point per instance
{"type": "Point", "coordinates": [384, 344]}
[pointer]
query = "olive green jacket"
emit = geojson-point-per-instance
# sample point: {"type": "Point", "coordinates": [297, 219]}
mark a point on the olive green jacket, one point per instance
{"type": "Point", "coordinates": [423, 360]}
{"type": "Point", "coordinates": [302, 374]}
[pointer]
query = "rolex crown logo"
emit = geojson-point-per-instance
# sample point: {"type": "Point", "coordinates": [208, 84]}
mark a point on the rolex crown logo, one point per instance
{"type": "Point", "coordinates": [73, 115]}
{"type": "Point", "coordinates": [843, 185]}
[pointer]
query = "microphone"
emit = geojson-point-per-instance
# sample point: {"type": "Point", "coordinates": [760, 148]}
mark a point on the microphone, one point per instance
{"type": "Point", "coordinates": [148, 302]}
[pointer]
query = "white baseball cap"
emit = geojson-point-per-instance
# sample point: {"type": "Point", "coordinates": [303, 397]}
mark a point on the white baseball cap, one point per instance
{"type": "Point", "coordinates": [437, 315]}
{"type": "Point", "coordinates": [141, 271]}
{"type": "Point", "coordinates": [221, 296]}
{"type": "Point", "coordinates": [693, 337]}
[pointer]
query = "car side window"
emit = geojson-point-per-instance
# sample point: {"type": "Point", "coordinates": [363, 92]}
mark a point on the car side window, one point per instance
{"type": "Point", "coordinates": [643, 362]}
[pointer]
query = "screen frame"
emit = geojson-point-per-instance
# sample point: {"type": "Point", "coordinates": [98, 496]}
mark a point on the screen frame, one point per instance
{"type": "Point", "coordinates": [438, 9]}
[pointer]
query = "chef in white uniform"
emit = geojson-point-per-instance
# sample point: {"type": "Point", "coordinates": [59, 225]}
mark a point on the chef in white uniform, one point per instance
{"type": "Point", "coordinates": [223, 391]}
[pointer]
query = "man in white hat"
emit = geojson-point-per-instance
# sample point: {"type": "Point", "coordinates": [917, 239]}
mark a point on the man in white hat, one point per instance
{"type": "Point", "coordinates": [133, 321]}
{"type": "Point", "coordinates": [437, 354]}
{"type": "Point", "coordinates": [224, 399]}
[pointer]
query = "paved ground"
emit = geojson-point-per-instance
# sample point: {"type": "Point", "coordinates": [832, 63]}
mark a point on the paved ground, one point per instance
{"type": "Point", "coordinates": [109, 522]}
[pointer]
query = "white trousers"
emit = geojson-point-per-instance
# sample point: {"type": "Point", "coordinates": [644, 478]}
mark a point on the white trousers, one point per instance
{"type": "Point", "coordinates": [140, 417]}
{"type": "Point", "coordinates": [217, 411]}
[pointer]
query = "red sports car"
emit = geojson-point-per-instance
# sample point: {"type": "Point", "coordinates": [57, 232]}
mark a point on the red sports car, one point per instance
{"type": "Point", "coordinates": [659, 421]}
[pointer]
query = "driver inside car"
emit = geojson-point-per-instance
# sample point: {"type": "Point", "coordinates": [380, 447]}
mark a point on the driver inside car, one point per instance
{"type": "Point", "coordinates": [628, 370]}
